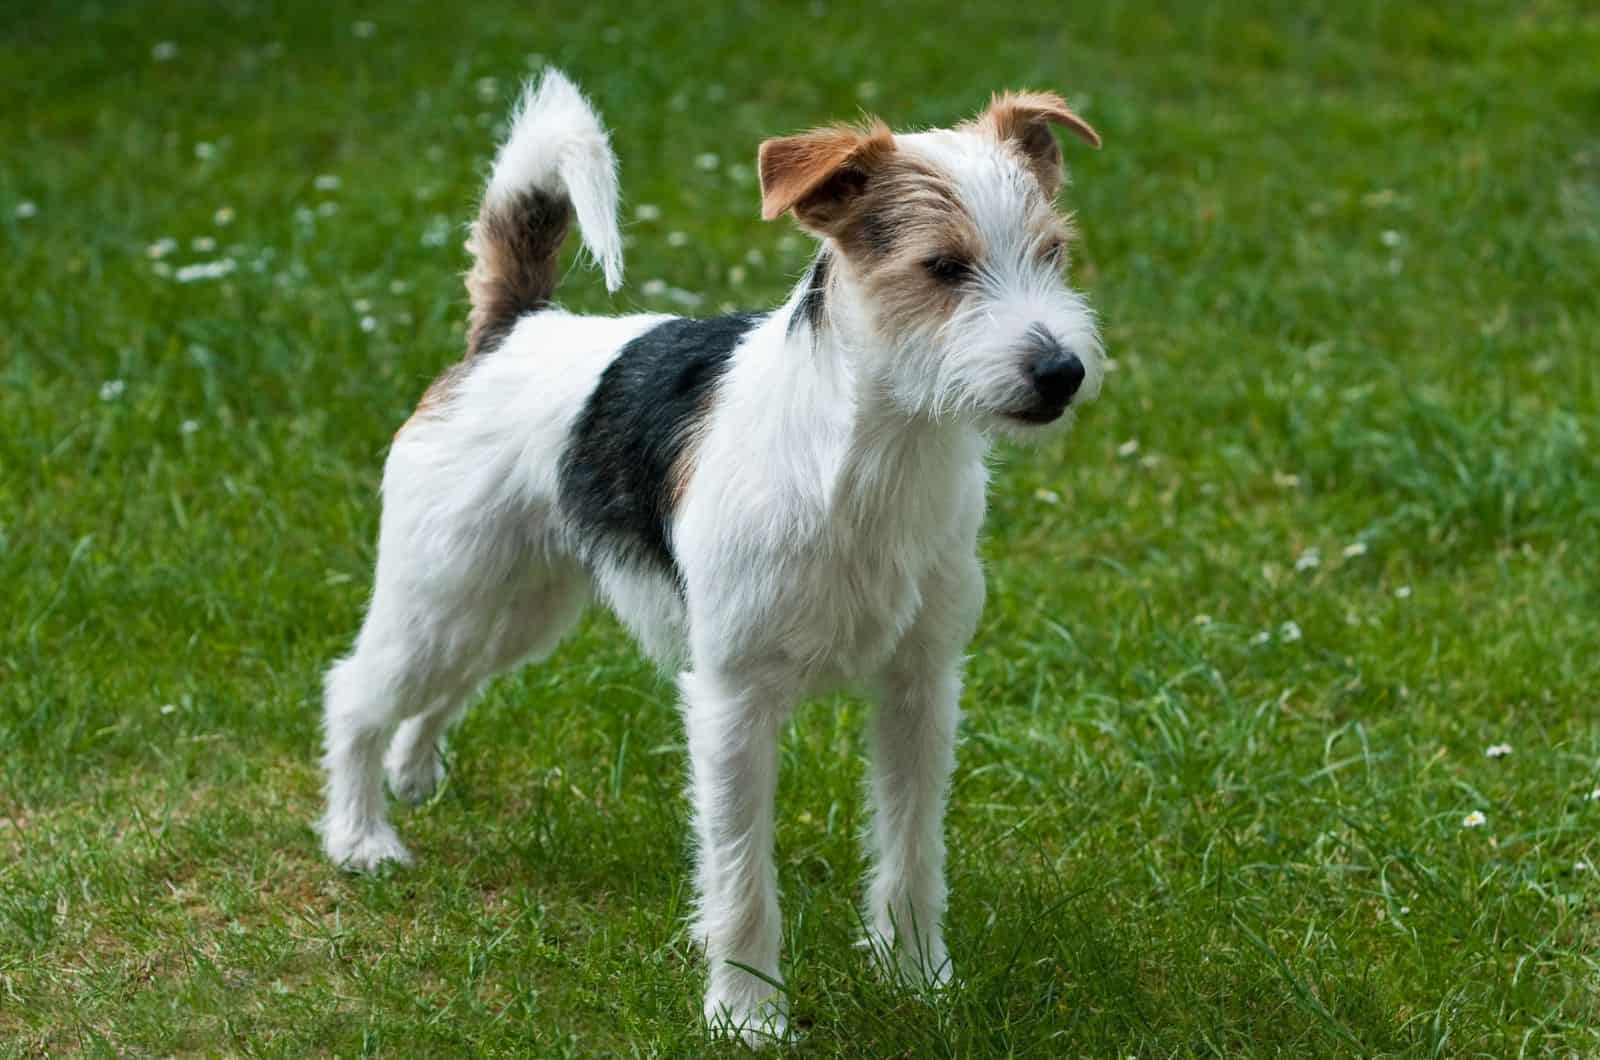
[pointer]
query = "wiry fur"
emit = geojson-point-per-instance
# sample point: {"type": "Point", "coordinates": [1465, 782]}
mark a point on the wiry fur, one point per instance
{"type": "Point", "coordinates": [814, 498]}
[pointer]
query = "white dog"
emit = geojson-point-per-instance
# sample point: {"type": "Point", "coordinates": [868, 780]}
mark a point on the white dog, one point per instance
{"type": "Point", "coordinates": [776, 504]}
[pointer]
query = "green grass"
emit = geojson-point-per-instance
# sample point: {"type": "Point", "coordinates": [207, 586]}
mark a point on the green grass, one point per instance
{"type": "Point", "coordinates": [1346, 262]}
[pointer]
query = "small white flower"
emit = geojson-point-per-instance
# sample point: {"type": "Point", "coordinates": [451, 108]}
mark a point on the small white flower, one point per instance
{"type": "Point", "coordinates": [112, 389]}
{"type": "Point", "coordinates": [369, 324]}
{"type": "Point", "coordinates": [1499, 750]}
{"type": "Point", "coordinates": [677, 239]}
{"type": "Point", "coordinates": [1354, 549]}
{"type": "Point", "coordinates": [753, 256]}
{"type": "Point", "coordinates": [1128, 448]}
{"type": "Point", "coordinates": [1390, 238]}
{"type": "Point", "coordinates": [398, 287]}
{"type": "Point", "coordinates": [488, 89]}
{"type": "Point", "coordinates": [653, 288]}
{"type": "Point", "coordinates": [161, 268]}
{"type": "Point", "coordinates": [362, 305]}
{"type": "Point", "coordinates": [164, 51]}
{"type": "Point", "coordinates": [867, 90]}
{"type": "Point", "coordinates": [1593, 796]}
{"type": "Point", "coordinates": [1581, 866]}
{"type": "Point", "coordinates": [736, 276]}
{"type": "Point", "coordinates": [327, 209]}
{"type": "Point", "coordinates": [647, 211]}
{"type": "Point", "coordinates": [707, 161]}
{"type": "Point", "coordinates": [364, 29]}
{"type": "Point", "coordinates": [1310, 559]}
{"type": "Point", "coordinates": [305, 215]}
{"type": "Point", "coordinates": [1289, 632]}
{"type": "Point", "coordinates": [1403, 593]}
{"type": "Point", "coordinates": [326, 182]}
{"type": "Point", "coordinates": [1201, 620]}
{"type": "Point", "coordinates": [205, 151]}
{"type": "Point", "coordinates": [204, 270]}
{"type": "Point", "coordinates": [437, 232]}
{"type": "Point", "coordinates": [202, 244]}
{"type": "Point", "coordinates": [188, 427]}
{"type": "Point", "coordinates": [223, 217]}
{"type": "Point", "coordinates": [169, 708]}
{"type": "Point", "coordinates": [1285, 481]}
{"type": "Point", "coordinates": [1475, 819]}
{"type": "Point", "coordinates": [26, 209]}
{"type": "Point", "coordinates": [161, 248]}
{"type": "Point", "coordinates": [1047, 496]}
{"type": "Point", "coordinates": [1261, 638]}
{"type": "Point", "coordinates": [684, 298]}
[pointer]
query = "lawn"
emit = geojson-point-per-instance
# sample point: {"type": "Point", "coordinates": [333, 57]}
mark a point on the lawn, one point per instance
{"type": "Point", "coordinates": [1331, 534]}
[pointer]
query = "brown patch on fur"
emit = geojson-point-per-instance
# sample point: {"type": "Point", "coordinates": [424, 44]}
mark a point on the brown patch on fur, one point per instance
{"type": "Point", "coordinates": [818, 174]}
{"type": "Point", "coordinates": [683, 468]}
{"type": "Point", "coordinates": [516, 246]}
{"type": "Point", "coordinates": [1023, 119]}
{"type": "Point", "coordinates": [439, 391]}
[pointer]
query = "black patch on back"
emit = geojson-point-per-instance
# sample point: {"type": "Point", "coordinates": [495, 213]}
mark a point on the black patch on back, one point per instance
{"type": "Point", "coordinates": [812, 308]}
{"type": "Point", "coordinates": [616, 475]}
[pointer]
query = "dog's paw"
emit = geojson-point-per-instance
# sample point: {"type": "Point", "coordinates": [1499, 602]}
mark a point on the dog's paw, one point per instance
{"type": "Point", "coordinates": [926, 967]}
{"type": "Point", "coordinates": [415, 780]}
{"type": "Point", "coordinates": [365, 850]}
{"type": "Point", "coordinates": [757, 1024]}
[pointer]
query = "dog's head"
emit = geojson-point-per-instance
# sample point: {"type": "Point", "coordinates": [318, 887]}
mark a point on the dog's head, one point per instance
{"type": "Point", "coordinates": [947, 247]}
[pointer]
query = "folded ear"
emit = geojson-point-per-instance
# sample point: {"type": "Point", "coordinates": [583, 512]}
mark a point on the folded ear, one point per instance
{"type": "Point", "coordinates": [819, 174]}
{"type": "Point", "coordinates": [1024, 119]}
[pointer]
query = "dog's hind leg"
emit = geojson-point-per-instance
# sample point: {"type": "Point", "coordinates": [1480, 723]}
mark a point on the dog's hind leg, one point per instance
{"type": "Point", "coordinates": [533, 623]}
{"type": "Point", "coordinates": [430, 637]}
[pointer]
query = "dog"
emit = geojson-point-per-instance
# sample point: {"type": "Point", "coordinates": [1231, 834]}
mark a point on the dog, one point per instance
{"type": "Point", "coordinates": [776, 504]}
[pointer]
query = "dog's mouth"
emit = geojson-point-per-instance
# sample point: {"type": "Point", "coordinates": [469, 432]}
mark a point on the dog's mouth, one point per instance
{"type": "Point", "coordinates": [1039, 415]}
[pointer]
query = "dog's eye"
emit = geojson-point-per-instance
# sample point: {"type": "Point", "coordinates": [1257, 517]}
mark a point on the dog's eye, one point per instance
{"type": "Point", "coordinates": [948, 270]}
{"type": "Point", "coordinates": [1055, 254]}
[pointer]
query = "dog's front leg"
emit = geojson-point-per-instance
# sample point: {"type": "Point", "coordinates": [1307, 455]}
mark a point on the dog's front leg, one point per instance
{"type": "Point", "coordinates": [913, 755]}
{"type": "Point", "coordinates": [733, 757]}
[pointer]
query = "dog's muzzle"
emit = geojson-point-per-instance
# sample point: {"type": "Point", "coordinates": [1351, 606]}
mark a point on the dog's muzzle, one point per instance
{"type": "Point", "coordinates": [1056, 374]}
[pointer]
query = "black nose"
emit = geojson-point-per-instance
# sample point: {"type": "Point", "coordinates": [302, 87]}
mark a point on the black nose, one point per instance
{"type": "Point", "coordinates": [1056, 371]}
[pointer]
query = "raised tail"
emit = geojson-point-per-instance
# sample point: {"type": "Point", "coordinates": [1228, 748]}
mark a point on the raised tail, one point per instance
{"type": "Point", "coordinates": [556, 162]}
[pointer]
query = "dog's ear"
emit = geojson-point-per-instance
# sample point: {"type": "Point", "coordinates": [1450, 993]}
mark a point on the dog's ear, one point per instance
{"type": "Point", "coordinates": [818, 175]}
{"type": "Point", "coordinates": [1024, 119]}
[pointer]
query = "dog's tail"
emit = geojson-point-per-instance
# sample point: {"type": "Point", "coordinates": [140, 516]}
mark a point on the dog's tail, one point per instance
{"type": "Point", "coordinates": [556, 162]}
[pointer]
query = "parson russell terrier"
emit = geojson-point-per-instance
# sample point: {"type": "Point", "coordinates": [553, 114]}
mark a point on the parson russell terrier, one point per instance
{"type": "Point", "coordinates": [775, 503]}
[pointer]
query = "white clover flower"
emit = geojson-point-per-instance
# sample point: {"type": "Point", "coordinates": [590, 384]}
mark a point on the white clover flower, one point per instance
{"type": "Point", "coordinates": [1354, 549]}
{"type": "Point", "coordinates": [364, 29]}
{"type": "Point", "coordinates": [1289, 632]}
{"type": "Point", "coordinates": [1261, 638]}
{"type": "Point", "coordinates": [112, 389]}
{"type": "Point", "coordinates": [205, 151]}
{"type": "Point", "coordinates": [369, 324]}
{"type": "Point", "coordinates": [437, 232]}
{"type": "Point", "coordinates": [1201, 620]}
{"type": "Point", "coordinates": [707, 161]}
{"type": "Point", "coordinates": [188, 427]}
{"type": "Point", "coordinates": [164, 51]}
{"type": "Point", "coordinates": [202, 244]}
{"type": "Point", "coordinates": [1128, 448]}
{"type": "Point", "coordinates": [161, 248]}
{"type": "Point", "coordinates": [1310, 559]}
{"type": "Point", "coordinates": [647, 211]}
{"type": "Point", "coordinates": [653, 288]}
{"type": "Point", "coordinates": [736, 276]}
{"type": "Point", "coordinates": [362, 305]}
{"type": "Point", "coordinates": [326, 182]}
{"type": "Point", "coordinates": [205, 270]}
{"type": "Point", "coordinates": [26, 209]}
{"type": "Point", "coordinates": [867, 90]}
{"type": "Point", "coordinates": [1499, 750]}
{"type": "Point", "coordinates": [1390, 238]}
{"type": "Point", "coordinates": [753, 256]}
{"type": "Point", "coordinates": [1047, 496]}
{"type": "Point", "coordinates": [677, 239]}
{"type": "Point", "coordinates": [327, 209]}
{"type": "Point", "coordinates": [169, 708]}
{"type": "Point", "coordinates": [305, 215]}
{"type": "Point", "coordinates": [684, 298]}
{"type": "Point", "coordinates": [398, 287]}
{"type": "Point", "coordinates": [223, 217]}
{"type": "Point", "coordinates": [1581, 866]}
{"type": "Point", "coordinates": [1593, 796]}
{"type": "Point", "coordinates": [1475, 819]}
{"type": "Point", "coordinates": [1403, 592]}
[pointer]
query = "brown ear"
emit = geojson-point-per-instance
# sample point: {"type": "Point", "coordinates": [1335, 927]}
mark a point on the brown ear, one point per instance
{"type": "Point", "coordinates": [1024, 119]}
{"type": "Point", "coordinates": [818, 174]}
